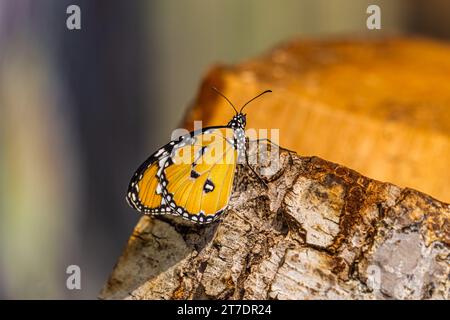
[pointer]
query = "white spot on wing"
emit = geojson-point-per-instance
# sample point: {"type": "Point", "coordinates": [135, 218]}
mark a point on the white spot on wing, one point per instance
{"type": "Point", "coordinates": [160, 151]}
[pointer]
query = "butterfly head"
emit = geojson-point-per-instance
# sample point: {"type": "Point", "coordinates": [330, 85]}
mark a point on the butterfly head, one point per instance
{"type": "Point", "coordinates": [238, 122]}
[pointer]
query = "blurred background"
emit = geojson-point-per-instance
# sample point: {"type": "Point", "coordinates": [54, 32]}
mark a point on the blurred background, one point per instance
{"type": "Point", "coordinates": [80, 110]}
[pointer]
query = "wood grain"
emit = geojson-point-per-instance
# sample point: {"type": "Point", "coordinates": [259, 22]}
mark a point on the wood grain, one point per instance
{"type": "Point", "coordinates": [381, 107]}
{"type": "Point", "coordinates": [319, 230]}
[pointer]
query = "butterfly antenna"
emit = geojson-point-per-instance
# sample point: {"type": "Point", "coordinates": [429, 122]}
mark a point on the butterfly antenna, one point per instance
{"type": "Point", "coordinates": [259, 95]}
{"type": "Point", "coordinates": [223, 96]}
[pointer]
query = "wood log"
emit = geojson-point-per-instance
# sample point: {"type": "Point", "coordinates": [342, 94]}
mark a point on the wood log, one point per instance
{"type": "Point", "coordinates": [318, 230]}
{"type": "Point", "coordinates": [381, 106]}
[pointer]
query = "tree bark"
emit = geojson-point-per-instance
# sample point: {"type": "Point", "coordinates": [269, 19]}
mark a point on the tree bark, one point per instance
{"type": "Point", "coordinates": [318, 231]}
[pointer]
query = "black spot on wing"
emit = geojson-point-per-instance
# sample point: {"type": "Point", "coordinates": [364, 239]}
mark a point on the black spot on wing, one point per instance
{"type": "Point", "coordinates": [208, 186]}
{"type": "Point", "coordinates": [194, 174]}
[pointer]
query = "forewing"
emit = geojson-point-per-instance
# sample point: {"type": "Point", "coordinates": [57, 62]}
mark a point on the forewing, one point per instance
{"type": "Point", "coordinates": [200, 179]}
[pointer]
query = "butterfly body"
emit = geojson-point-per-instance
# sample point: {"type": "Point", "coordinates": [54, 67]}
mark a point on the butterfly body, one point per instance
{"type": "Point", "coordinates": [191, 176]}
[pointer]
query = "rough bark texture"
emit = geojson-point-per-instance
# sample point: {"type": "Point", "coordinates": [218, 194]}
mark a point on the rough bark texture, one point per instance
{"type": "Point", "coordinates": [319, 231]}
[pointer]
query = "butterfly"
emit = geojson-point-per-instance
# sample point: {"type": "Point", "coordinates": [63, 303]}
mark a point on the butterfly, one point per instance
{"type": "Point", "coordinates": [192, 176]}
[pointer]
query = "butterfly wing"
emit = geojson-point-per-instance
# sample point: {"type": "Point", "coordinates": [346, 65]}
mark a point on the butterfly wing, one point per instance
{"type": "Point", "coordinates": [145, 190]}
{"type": "Point", "coordinates": [200, 180]}
{"type": "Point", "coordinates": [192, 176]}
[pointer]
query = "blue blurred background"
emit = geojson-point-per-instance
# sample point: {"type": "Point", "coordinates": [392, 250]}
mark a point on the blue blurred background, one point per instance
{"type": "Point", "coordinates": [79, 110]}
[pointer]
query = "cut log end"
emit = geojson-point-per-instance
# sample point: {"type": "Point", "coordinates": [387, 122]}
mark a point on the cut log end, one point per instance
{"type": "Point", "coordinates": [319, 231]}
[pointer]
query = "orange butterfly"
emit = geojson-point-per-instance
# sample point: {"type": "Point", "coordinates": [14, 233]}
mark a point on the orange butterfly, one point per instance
{"type": "Point", "coordinates": [192, 176]}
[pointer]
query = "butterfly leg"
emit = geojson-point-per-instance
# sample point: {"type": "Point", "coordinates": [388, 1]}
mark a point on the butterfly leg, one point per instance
{"type": "Point", "coordinates": [270, 141]}
{"type": "Point", "coordinates": [258, 176]}
{"type": "Point", "coordinates": [254, 172]}
{"type": "Point", "coordinates": [265, 140]}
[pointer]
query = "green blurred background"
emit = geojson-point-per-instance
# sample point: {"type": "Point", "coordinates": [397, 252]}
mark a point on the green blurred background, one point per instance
{"type": "Point", "coordinates": [79, 110]}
